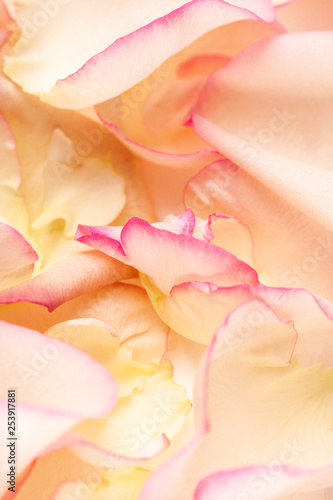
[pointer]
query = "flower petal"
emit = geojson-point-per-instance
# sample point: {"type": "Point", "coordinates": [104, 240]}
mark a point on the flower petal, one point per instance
{"type": "Point", "coordinates": [11, 203]}
{"type": "Point", "coordinates": [17, 257]}
{"type": "Point", "coordinates": [167, 257]}
{"type": "Point", "coordinates": [196, 309]}
{"type": "Point", "coordinates": [86, 74]}
{"type": "Point", "coordinates": [307, 15]}
{"type": "Point", "coordinates": [123, 483]}
{"type": "Point", "coordinates": [248, 482]}
{"type": "Point", "coordinates": [38, 369]}
{"type": "Point", "coordinates": [75, 275]}
{"type": "Point", "coordinates": [264, 358]}
{"type": "Point", "coordinates": [135, 427]}
{"type": "Point", "coordinates": [289, 247]}
{"type": "Point", "coordinates": [264, 123]}
{"type": "Point", "coordinates": [91, 191]}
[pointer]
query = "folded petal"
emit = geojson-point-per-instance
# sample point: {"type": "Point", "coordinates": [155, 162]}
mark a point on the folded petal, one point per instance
{"type": "Point", "coordinates": [125, 483]}
{"type": "Point", "coordinates": [61, 475]}
{"type": "Point", "coordinates": [166, 257]}
{"type": "Point", "coordinates": [264, 122]}
{"type": "Point", "coordinates": [307, 15]}
{"type": "Point", "coordinates": [152, 118]}
{"type": "Point", "coordinates": [38, 369]}
{"type": "Point", "coordinates": [101, 343]}
{"type": "Point", "coordinates": [290, 457]}
{"type": "Point", "coordinates": [73, 276]}
{"type": "Point", "coordinates": [91, 191]}
{"type": "Point", "coordinates": [196, 309]}
{"type": "Point", "coordinates": [11, 203]}
{"type": "Point", "coordinates": [86, 74]}
{"type": "Point", "coordinates": [70, 145]}
{"type": "Point", "coordinates": [140, 422]}
{"type": "Point", "coordinates": [289, 247]}
{"type": "Point", "coordinates": [17, 257]}
{"type": "Point", "coordinates": [249, 481]}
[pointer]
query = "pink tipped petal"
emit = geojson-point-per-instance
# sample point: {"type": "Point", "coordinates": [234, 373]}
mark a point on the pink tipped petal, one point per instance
{"type": "Point", "coordinates": [75, 275]}
{"type": "Point", "coordinates": [11, 204]}
{"type": "Point", "coordinates": [38, 369]}
{"type": "Point", "coordinates": [17, 257]}
{"type": "Point", "coordinates": [197, 159]}
{"type": "Point", "coordinates": [290, 249]}
{"type": "Point", "coordinates": [166, 257]}
{"type": "Point", "coordinates": [247, 483]}
{"type": "Point", "coordinates": [153, 118]}
{"type": "Point", "coordinates": [185, 311]}
{"type": "Point", "coordinates": [85, 75]}
{"type": "Point", "coordinates": [120, 484]}
{"type": "Point", "coordinates": [51, 470]}
{"type": "Point", "coordinates": [263, 351]}
{"type": "Point", "coordinates": [265, 123]}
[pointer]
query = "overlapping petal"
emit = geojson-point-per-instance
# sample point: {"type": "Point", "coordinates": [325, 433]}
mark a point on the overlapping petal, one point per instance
{"type": "Point", "coordinates": [152, 117]}
{"type": "Point", "coordinates": [307, 15]}
{"type": "Point", "coordinates": [73, 276]}
{"type": "Point", "coordinates": [17, 257]}
{"type": "Point", "coordinates": [264, 123]}
{"type": "Point", "coordinates": [242, 379]}
{"type": "Point", "coordinates": [38, 371]}
{"type": "Point", "coordinates": [166, 257]}
{"type": "Point", "coordinates": [47, 191]}
{"type": "Point", "coordinates": [289, 247]}
{"type": "Point", "coordinates": [86, 75]}
{"type": "Point", "coordinates": [151, 406]}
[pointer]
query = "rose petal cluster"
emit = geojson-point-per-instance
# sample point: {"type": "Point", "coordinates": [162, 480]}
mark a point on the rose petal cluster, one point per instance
{"type": "Point", "coordinates": [166, 242]}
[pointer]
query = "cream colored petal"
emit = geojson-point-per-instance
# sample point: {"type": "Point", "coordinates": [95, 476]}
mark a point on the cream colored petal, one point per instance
{"type": "Point", "coordinates": [140, 420]}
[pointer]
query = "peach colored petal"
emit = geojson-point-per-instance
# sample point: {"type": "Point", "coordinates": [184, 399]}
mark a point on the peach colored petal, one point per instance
{"type": "Point", "coordinates": [166, 185]}
{"type": "Point", "coordinates": [289, 247]}
{"type": "Point", "coordinates": [143, 423]}
{"type": "Point", "coordinates": [11, 204]}
{"type": "Point", "coordinates": [97, 339]}
{"type": "Point", "coordinates": [75, 80]}
{"type": "Point", "coordinates": [10, 7]}
{"type": "Point", "coordinates": [125, 483]}
{"type": "Point", "coordinates": [196, 309]}
{"type": "Point", "coordinates": [306, 15]}
{"type": "Point", "coordinates": [184, 356]}
{"type": "Point", "coordinates": [125, 308]}
{"type": "Point", "coordinates": [91, 191]}
{"type": "Point", "coordinates": [265, 123]}
{"type": "Point", "coordinates": [174, 160]}
{"type": "Point", "coordinates": [51, 470]}
{"type": "Point", "coordinates": [244, 483]}
{"type": "Point", "coordinates": [17, 257]}
{"type": "Point", "coordinates": [66, 142]}
{"type": "Point", "coordinates": [264, 353]}
{"type": "Point", "coordinates": [152, 118]}
{"type": "Point", "coordinates": [166, 257]}
{"type": "Point", "coordinates": [230, 233]}
{"type": "Point", "coordinates": [73, 276]}
{"type": "Point", "coordinates": [38, 369]}
{"type": "Point", "coordinates": [53, 475]}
